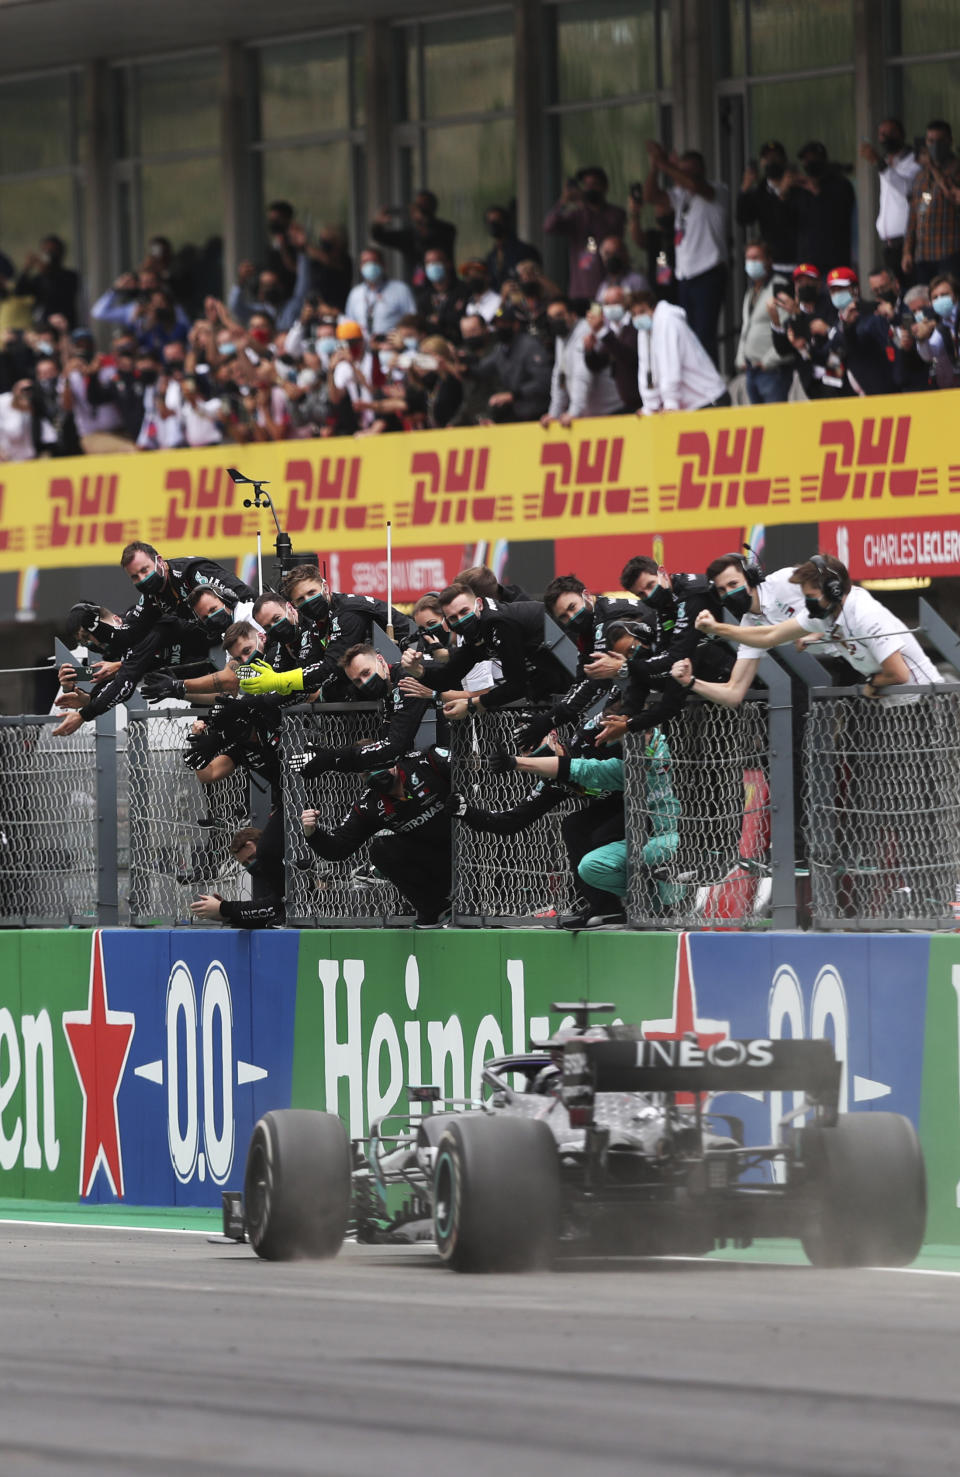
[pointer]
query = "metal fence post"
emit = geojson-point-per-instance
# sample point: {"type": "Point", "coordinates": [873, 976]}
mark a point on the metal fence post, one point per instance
{"type": "Point", "coordinates": [105, 757]}
{"type": "Point", "coordinates": [780, 759]}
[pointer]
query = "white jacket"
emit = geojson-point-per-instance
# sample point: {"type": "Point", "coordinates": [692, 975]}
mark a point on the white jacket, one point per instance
{"type": "Point", "coordinates": [675, 372]}
{"type": "Point", "coordinates": [576, 390]}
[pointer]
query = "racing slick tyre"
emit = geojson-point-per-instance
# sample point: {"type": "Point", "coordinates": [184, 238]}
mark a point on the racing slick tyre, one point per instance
{"type": "Point", "coordinates": [297, 1185]}
{"type": "Point", "coordinates": [869, 1192]}
{"type": "Point", "coordinates": [496, 1194]}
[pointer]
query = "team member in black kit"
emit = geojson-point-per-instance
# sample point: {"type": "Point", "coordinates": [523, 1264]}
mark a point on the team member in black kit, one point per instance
{"type": "Point", "coordinates": [165, 585]}
{"type": "Point", "coordinates": [408, 801]}
{"type": "Point", "coordinates": [512, 635]}
{"type": "Point", "coordinates": [264, 908]}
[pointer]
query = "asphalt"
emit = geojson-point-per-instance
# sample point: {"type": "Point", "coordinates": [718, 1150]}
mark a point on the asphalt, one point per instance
{"type": "Point", "coordinates": [126, 1351]}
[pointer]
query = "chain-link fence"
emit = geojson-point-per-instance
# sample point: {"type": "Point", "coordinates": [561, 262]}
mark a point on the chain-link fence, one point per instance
{"type": "Point", "coordinates": [523, 878]}
{"type": "Point", "coordinates": [319, 892]}
{"type": "Point", "coordinates": [698, 820]}
{"type": "Point", "coordinates": [48, 824]}
{"type": "Point", "coordinates": [882, 810]}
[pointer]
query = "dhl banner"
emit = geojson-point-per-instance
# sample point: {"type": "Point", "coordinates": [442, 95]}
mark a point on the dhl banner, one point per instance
{"type": "Point", "coordinates": [891, 457]}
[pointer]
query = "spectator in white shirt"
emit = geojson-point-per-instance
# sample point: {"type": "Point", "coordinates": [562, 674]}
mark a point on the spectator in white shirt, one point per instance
{"type": "Point", "coordinates": [350, 380]}
{"type": "Point", "coordinates": [575, 390]}
{"type": "Point", "coordinates": [843, 620]}
{"type": "Point", "coordinates": [897, 168]}
{"type": "Point", "coordinates": [16, 424]}
{"type": "Point", "coordinates": [200, 418]}
{"type": "Point", "coordinates": [700, 212]}
{"type": "Point", "coordinates": [483, 302]}
{"type": "Point", "coordinates": [675, 371]}
{"type": "Point", "coordinates": [378, 302]}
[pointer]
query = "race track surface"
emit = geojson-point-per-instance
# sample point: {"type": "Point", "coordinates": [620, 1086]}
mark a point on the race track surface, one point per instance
{"type": "Point", "coordinates": [132, 1352]}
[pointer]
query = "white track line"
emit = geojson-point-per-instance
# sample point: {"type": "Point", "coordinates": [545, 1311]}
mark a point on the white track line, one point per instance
{"type": "Point", "coordinates": [101, 1226]}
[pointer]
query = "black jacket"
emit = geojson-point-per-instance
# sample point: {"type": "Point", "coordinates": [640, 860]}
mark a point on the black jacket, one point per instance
{"type": "Point", "coordinates": [426, 785]}
{"type": "Point", "coordinates": [525, 369]}
{"type": "Point", "coordinates": [512, 635]}
{"type": "Point", "coordinates": [776, 219]}
{"type": "Point", "coordinates": [398, 733]}
{"type": "Point", "coordinates": [183, 577]}
{"type": "Point", "coordinates": [171, 643]}
{"type": "Point", "coordinates": [265, 905]}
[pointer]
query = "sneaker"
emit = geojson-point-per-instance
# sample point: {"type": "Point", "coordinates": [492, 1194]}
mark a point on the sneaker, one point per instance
{"type": "Point", "coordinates": [576, 918]}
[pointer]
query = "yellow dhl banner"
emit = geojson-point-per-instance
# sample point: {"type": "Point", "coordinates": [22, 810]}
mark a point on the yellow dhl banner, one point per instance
{"type": "Point", "coordinates": [884, 457]}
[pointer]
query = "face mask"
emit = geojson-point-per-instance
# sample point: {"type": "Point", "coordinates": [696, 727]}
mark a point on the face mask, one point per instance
{"type": "Point", "coordinates": [614, 263]}
{"type": "Point", "coordinates": [380, 780]}
{"type": "Point", "coordinates": [841, 300]}
{"type": "Point", "coordinates": [326, 347]}
{"type": "Point", "coordinates": [375, 687]}
{"type": "Point", "coordinates": [774, 170]}
{"type": "Point", "coordinates": [580, 621]}
{"type": "Point", "coordinates": [44, 347]}
{"type": "Point", "coordinates": [282, 629]}
{"type": "Point", "coordinates": [643, 322]}
{"type": "Point", "coordinates": [148, 376]}
{"type": "Point", "coordinates": [754, 269]}
{"type": "Point", "coordinates": [371, 271]}
{"type": "Point", "coordinates": [411, 345]}
{"type": "Point", "coordinates": [808, 293]}
{"type": "Point", "coordinates": [593, 197]}
{"type": "Point", "coordinates": [260, 336]}
{"type": "Point", "coordinates": [659, 598]}
{"type": "Point", "coordinates": [942, 304]}
{"type": "Point", "coordinates": [388, 358]}
{"type": "Point", "coordinates": [151, 583]}
{"type": "Point", "coordinates": [890, 145]}
{"type": "Point", "coordinates": [438, 631]}
{"type": "Point", "coordinates": [938, 149]}
{"type": "Point", "coordinates": [217, 622]}
{"type": "Point", "coordinates": [477, 285]}
{"type": "Point", "coordinates": [227, 351]}
{"type": "Point", "coordinates": [559, 327]}
{"type": "Point", "coordinates": [468, 626]}
{"type": "Point", "coordinates": [497, 229]}
{"type": "Point", "coordinates": [435, 271]}
{"type": "Point", "coordinates": [815, 168]}
{"type": "Point", "coordinates": [532, 290]}
{"type": "Point", "coordinates": [738, 600]}
{"type": "Point", "coordinates": [317, 607]}
{"type": "Point", "coordinates": [814, 608]}
{"type": "Point", "coordinates": [614, 312]}
{"type": "Point", "coordinates": [888, 295]}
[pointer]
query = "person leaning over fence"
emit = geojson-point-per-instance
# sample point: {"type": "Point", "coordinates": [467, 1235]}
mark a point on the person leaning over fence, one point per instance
{"type": "Point", "coordinates": [406, 800]}
{"type": "Point", "coordinates": [242, 640]}
{"type": "Point", "coordinates": [843, 620]}
{"type": "Point", "coordinates": [164, 585]}
{"type": "Point", "coordinates": [606, 867]}
{"type": "Point", "coordinates": [257, 852]}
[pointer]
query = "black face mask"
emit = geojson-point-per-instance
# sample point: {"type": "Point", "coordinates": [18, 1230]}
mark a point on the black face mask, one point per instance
{"type": "Point", "coordinates": [559, 327]}
{"type": "Point", "coordinates": [614, 263]}
{"type": "Point", "coordinates": [580, 621]}
{"type": "Point", "coordinates": [774, 170]}
{"type": "Point", "coordinates": [938, 150]}
{"type": "Point", "coordinates": [890, 145]}
{"type": "Point", "coordinates": [474, 347]}
{"type": "Point", "coordinates": [497, 229]}
{"type": "Point", "coordinates": [217, 622]}
{"type": "Point", "coordinates": [438, 631]}
{"type": "Point", "coordinates": [738, 600]}
{"type": "Point", "coordinates": [380, 780]}
{"type": "Point", "coordinates": [468, 626]}
{"type": "Point", "coordinates": [888, 295]}
{"type": "Point", "coordinates": [815, 168]}
{"type": "Point", "coordinates": [808, 294]}
{"type": "Point", "coordinates": [593, 197]}
{"type": "Point", "coordinates": [375, 687]}
{"type": "Point", "coordinates": [659, 598]}
{"type": "Point", "coordinates": [814, 608]}
{"type": "Point", "coordinates": [151, 584]}
{"type": "Point", "coordinates": [282, 630]}
{"type": "Point", "coordinates": [317, 607]}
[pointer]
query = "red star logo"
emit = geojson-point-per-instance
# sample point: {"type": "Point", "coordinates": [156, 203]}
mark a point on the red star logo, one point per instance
{"type": "Point", "coordinates": [685, 1021]}
{"type": "Point", "coordinates": [99, 1040]}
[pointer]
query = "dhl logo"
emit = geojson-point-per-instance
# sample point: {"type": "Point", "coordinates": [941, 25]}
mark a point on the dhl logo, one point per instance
{"type": "Point", "coordinates": [83, 511]}
{"type": "Point", "coordinates": [868, 464]}
{"type": "Point", "coordinates": [11, 539]}
{"type": "Point", "coordinates": [589, 482]}
{"type": "Point", "coordinates": [722, 472]}
{"type": "Point", "coordinates": [452, 489]}
{"type": "Point", "coordinates": [324, 496]}
{"type": "Point", "coordinates": [201, 503]}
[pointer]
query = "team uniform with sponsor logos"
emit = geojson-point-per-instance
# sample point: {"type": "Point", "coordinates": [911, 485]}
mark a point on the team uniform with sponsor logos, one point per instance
{"type": "Point", "coordinates": [864, 632]}
{"type": "Point", "coordinates": [512, 635]}
{"type": "Point", "coordinates": [677, 639]}
{"type": "Point", "coordinates": [183, 577]}
{"type": "Point", "coordinates": [403, 716]}
{"type": "Point", "coordinates": [779, 601]}
{"type": "Point", "coordinates": [416, 856]}
{"type": "Point", "coordinates": [171, 643]}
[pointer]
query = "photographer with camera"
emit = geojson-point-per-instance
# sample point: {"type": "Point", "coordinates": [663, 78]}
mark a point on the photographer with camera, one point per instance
{"type": "Point", "coordinates": [584, 217]}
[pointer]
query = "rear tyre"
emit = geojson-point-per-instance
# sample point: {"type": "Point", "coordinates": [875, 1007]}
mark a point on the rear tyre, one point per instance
{"type": "Point", "coordinates": [869, 1189]}
{"type": "Point", "coordinates": [297, 1185]}
{"type": "Point", "coordinates": [496, 1194]}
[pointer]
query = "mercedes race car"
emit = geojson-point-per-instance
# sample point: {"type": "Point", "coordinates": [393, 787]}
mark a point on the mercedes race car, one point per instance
{"type": "Point", "coordinates": [598, 1142]}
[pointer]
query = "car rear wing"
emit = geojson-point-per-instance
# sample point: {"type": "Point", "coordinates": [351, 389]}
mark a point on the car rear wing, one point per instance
{"type": "Point", "coordinates": [759, 1065]}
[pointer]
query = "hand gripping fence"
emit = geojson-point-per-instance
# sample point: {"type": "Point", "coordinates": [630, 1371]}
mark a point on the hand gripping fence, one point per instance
{"type": "Point", "coordinates": [516, 879]}
{"type": "Point", "coordinates": [698, 821]}
{"type": "Point", "coordinates": [882, 810]}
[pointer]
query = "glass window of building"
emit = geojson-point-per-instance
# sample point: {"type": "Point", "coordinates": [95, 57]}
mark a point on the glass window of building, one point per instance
{"type": "Point", "coordinates": [307, 130]}
{"type": "Point", "coordinates": [41, 136]}
{"type": "Point", "coordinates": [168, 169]}
{"type": "Point", "coordinates": [454, 108]}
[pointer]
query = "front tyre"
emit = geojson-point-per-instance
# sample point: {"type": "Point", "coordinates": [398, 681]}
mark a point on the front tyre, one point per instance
{"type": "Point", "coordinates": [297, 1185]}
{"type": "Point", "coordinates": [496, 1194]}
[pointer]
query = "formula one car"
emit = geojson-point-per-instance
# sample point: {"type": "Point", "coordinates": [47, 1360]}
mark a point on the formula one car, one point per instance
{"type": "Point", "coordinates": [598, 1142]}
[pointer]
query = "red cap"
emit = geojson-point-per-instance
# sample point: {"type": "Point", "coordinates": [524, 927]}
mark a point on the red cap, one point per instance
{"type": "Point", "coordinates": [806, 269]}
{"type": "Point", "coordinates": [842, 277]}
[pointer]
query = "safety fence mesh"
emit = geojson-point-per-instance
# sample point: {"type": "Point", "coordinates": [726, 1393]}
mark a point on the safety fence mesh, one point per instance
{"type": "Point", "coordinates": [698, 820]}
{"type": "Point", "coordinates": [178, 831]}
{"type": "Point", "coordinates": [48, 811]}
{"type": "Point", "coordinates": [882, 810]}
{"type": "Point", "coordinates": [321, 892]}
{"type": "Point", "coordinates": [516, 879]}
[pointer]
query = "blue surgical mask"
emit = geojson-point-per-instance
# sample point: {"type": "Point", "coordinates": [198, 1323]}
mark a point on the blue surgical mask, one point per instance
{"type": "Point", "coordinates": [326, 347]}
{"type": "Point", "coordinates": [643, 322]}
{"type": "Point", "coordinates": [613, 312]}
{"type": "Point", "coordinates": [411, 344]}
{"type": "Point", "coordinates": [371, 271]}
{"type": "Point", "coordinates": [227, 351]}
{"type": "Point", "coordinates": [754, 269]}
{"type": "Point", "coordinates": [841, 299]}
{"type": "Point", "coordinates": [942, 304]}
{"type": "Point", "coordinates": [919, 315]}
{"type": "Point", "coordinates": [435, 271]}
{"type": "Point", "coordinates": [44, 347]}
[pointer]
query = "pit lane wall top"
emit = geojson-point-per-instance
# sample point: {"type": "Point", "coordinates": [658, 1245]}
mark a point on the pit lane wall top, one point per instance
{"type": "Point", "coordinates": [857, 460]}
{"type": "Point", "coordinates": [133, 1064]}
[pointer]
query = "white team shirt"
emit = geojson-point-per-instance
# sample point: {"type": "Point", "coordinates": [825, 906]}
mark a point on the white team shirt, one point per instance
{"type": "Point", "coordinates": [864, 632]}
{"type": "Point", "coordinates": [701, 229]}
{"type": "Point", "coordinates": [779, 601]}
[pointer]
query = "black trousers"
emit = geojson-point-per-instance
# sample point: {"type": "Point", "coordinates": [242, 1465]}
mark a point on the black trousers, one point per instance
{"type": "Point", "coordinates": [419, 865]}
{"type": "Point", "coordinates": [583, 830]}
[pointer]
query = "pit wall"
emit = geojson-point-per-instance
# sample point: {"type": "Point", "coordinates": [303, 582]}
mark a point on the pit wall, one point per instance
{"type": "Point", "coordinates": [133, 1065]}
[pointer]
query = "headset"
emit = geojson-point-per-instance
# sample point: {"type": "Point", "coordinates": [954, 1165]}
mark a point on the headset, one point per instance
{"type": "Point", "coordinates": [831, 583]}
{"type": "Point", "coordinates": [753, 571]}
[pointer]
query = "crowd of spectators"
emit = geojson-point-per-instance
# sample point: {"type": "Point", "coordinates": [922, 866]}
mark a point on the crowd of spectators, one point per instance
{"type": "Point", "coordinates": [305, 345]}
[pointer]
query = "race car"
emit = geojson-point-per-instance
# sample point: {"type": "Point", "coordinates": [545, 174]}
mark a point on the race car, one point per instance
{"type": "Point", "coordinates": [596, 1142]}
